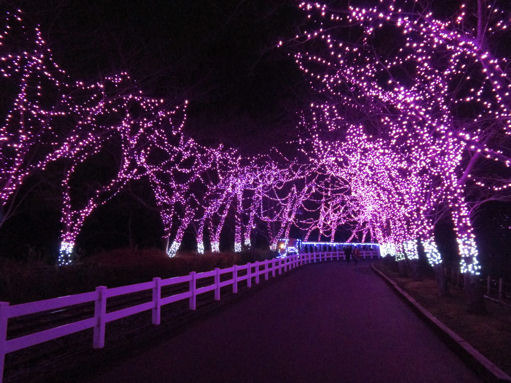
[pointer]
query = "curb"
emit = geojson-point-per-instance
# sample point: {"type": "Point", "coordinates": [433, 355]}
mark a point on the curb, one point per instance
{"type": "Point", "coordinates": [486, 368]}
{"type": "Point", "coordinates": [494, 300]}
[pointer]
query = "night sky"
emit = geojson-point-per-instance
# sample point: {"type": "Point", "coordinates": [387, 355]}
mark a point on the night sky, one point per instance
{"type": "Point", "coordinates": [221, 56]}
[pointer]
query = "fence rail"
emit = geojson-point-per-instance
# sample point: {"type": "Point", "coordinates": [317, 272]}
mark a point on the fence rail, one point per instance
{"type": "Point", "coordinates": [100, 297]}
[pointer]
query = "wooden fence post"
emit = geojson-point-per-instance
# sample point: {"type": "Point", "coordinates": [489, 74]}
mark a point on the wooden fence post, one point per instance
{"type": "Point", "coordinates": [99, 316]}
{"type": "Point", "coordinates": [235, 279]}
{"type": "Point", "coordinates": [217, 284]}
{"type": "Point", "coordinates": [4, 308]}
{"type": "Point", "coordinates": [257, 271]}
{"type": "Point", "coordinates": [273, 261]}
{"type": "Point", "coordinates": [193, 290]}
{"type": "Point", "coordinates": [266, 269]}
{"type": "Point", "coordinates": [249, 274]}
{"type": "Point", "coordinates": [156, 300]}
{"type": "Point", "coordinates": [500, 289]}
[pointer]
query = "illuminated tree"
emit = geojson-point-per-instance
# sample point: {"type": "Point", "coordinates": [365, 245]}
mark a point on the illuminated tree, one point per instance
{"type": "Point", "coordinates": [44, 122]}
{"type": "Point", "coordinates": [413, 90]}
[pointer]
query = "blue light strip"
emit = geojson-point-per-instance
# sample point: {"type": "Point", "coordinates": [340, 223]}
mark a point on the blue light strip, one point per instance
{"type": "Point", "coordinates": [283, 252]}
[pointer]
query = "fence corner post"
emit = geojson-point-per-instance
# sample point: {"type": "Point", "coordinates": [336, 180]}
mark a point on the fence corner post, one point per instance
{"type": "Point", "coordinates": [235, 279]}
{"type": "Point", "coordinates": [217, 284]}
{"type": "Point", "coordinates": [99, 316]}
{"type": "Point", "coordinates": [156, 300]}
{"type": "Point", "coordinates": [4, 317]}
{"type": "Point", "coordinates": [193, 291]}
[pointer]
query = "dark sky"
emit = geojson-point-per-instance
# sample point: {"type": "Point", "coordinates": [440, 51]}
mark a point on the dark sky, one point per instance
{"type": "Point", "coordinates": [220, 55]}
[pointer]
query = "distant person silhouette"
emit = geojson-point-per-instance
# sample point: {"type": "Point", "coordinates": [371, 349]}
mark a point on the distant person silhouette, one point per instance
{"type": "Point", "coordinates": [348, 254]}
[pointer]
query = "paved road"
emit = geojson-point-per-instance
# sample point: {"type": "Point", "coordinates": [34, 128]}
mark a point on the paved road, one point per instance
{"type": "Point", "coordinates": [321, 323]}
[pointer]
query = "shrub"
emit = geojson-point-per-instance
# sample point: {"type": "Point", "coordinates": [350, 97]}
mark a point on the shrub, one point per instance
{"type": "Point", "coordinates": [29, 281]}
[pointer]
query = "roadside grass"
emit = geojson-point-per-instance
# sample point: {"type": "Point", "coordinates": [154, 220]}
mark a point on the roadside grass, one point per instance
{"type": "Point", "coordinates": [30, 281]}
{"type": "Point", "coordinates": [490, 333]}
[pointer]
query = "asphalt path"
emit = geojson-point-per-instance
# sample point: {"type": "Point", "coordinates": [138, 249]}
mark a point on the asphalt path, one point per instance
{"type": "Point", "coordinates": [328, 322]}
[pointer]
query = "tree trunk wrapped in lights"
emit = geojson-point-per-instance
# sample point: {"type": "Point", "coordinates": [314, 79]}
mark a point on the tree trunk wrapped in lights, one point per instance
{"type": "Point", "coordinates": [187, 218]}
{"type": "Point", "coordinates": [238, 221]}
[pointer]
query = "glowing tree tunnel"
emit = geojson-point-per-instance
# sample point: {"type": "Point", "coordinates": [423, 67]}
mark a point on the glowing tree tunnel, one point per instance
{"type": "Point", "coordinates": [400, 130]}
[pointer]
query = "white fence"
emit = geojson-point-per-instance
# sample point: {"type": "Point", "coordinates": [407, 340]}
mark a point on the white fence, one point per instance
{"type": "Point", "coordinates": [100, 297]}
{"type": "Point", "coordinates": [364, 254]}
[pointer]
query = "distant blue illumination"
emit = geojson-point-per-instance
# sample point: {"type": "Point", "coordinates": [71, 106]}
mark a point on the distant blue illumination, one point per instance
{"type": "Point", "coordinates": [287, 247]}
